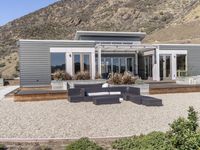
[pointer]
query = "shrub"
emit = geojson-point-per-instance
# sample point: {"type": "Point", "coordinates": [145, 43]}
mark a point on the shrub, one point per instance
{"type": "Point", "coordinates": [85, 75]}
{"type": "Point", "coordinates": [97, 76]}
{"type": "Point", "coordinates": [2, 65]}
{"type": "Point", "coordinates": [151, 141]}
{"type": "Point", "coordinates": [115, 78]}
{"type": "Point", "coordinates": [128, 78]}
{"type": "Point", "coordinates": [2, 147]}
{"type": "Point", "coordinates": [83, 144]}
{"type": "Point", "coordinates": [61, 75]}
{"type": "Point", "coordinates": [183, 134]}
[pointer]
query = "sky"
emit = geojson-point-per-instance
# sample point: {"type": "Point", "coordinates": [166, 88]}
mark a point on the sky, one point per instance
{"type": "Point", "coordinates": [13, 9]}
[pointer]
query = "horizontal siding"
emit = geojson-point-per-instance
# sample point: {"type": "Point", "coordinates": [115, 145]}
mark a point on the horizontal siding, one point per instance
{"type": "Point", "coordinates": [35, 65]}
{"type": "Point", "coordinates": [193, 56]}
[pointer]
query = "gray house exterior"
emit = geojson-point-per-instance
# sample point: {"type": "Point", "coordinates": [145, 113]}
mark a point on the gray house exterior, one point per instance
{"type": "Point", "coordinates": [102, 53]}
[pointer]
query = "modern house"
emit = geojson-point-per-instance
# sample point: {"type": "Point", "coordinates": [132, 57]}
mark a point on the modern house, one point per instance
{"type": "Point", "coordinates": [100, 52]}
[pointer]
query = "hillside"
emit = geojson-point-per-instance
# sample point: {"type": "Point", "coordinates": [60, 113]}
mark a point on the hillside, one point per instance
{"type": "Point", "coordinates": [62, 19]}
{"type": "Point", "coordinates": [182, 30]}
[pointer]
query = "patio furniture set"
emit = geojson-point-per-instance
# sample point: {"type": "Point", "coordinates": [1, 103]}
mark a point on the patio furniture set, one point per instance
{"type": "Point", "coordinates": [109, 95]}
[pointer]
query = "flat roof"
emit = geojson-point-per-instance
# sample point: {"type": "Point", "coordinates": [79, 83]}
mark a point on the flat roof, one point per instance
{"type": "Point", "coordinates": [33, 40]}
{"type": "Point", "coordinates": [109, 33]}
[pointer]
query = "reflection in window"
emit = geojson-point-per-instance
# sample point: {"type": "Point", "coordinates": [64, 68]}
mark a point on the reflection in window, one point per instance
{"type": "Point", "coordinates": [181, 65]}
{"type": "Point", "coordinates": [115, 65]}
{"type": "Point", "coordinates": [181, 59]}
{"type": "Point", "coordinates": [86, 63]}
{"type": "Point", "coordinates": [108, 64]}
{"type": "Point", "coordinates": [129, 64]}
{"type": "Point", "coordinates": [122, 65]}
{"type": "Point", "coordinates": [77, 64]}
{"type": "Point", "coordinates": [57, 62]}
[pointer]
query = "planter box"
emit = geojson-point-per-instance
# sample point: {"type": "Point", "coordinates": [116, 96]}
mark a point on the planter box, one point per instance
{"type": "Point", "coordinates": [1, 82]}
{"type": "Point", "coordinates": [59, 85]}
{"type": "Point", "coordinates": [64, 85]}
{"type": "Point", "coordinates": [72, 82]}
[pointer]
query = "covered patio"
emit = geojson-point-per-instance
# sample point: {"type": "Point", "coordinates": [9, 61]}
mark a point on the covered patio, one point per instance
{"type": "Point", "coordinates": [121, 57]}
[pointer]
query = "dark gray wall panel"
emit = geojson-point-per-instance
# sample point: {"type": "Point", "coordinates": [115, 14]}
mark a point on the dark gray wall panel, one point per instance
{"type": "Point", "coordinates": [35, 62]}
{"type": "Point", "coordinates": [193, 56]}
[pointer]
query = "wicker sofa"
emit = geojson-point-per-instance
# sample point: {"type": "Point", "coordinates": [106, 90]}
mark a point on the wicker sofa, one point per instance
{"type": "Point", "coordinates": [109, 95]}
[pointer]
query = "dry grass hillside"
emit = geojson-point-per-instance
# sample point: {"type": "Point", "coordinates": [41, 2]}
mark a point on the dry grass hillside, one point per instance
{"type": "Point", "coordinates": [62, 19]}
{"type": "Point", "coordinates": [182, 30]}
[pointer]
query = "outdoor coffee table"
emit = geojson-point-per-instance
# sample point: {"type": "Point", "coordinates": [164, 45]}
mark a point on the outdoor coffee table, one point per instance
{"type": "Point", "coordinates": [108, 99]}
{"type": "Point", "coordinates": [151, 101]}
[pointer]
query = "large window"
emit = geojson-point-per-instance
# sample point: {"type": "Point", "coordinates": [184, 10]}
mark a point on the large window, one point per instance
{"type": "Point", "coordinates": [181, 65]}
{"type": "Point", "coordinates": [57, 62]}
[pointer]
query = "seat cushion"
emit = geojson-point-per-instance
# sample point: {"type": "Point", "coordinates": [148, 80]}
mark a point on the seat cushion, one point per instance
{"type": "Point", "coordinates": [98, 93]}
{"type": "Point", "coordinates": [115, 93]}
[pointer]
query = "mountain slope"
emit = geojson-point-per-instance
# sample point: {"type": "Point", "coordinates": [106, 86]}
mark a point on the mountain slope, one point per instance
{"type": "Point", "coordinates": [62, 19]}
{"type": "Point", "coordinates": [184, 29]}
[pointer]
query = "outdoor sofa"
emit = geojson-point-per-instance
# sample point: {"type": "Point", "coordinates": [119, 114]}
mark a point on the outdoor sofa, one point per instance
{"type": "Point", "coordinates": [109, 95]}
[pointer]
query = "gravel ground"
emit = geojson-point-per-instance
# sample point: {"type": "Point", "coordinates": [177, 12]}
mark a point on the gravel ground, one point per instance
{"type": "Point", "coordinates": [61, 119]}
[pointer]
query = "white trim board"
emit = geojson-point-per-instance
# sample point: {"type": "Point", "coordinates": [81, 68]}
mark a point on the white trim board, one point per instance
{"type": "Point", "coordinates": [172, 51]}
{"type": "Point", "coordinates": [71, 49]}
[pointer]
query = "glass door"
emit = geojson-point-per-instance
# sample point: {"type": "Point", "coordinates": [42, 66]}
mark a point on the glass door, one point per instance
{"type": "Point", "coordinates": [165, 67]}
{"type": "Point", "coordinates": [81, 62]}
{"type": "Point", "coordinates": [148, 66]}
{"type": "Point", "coordinates": [77, 63]}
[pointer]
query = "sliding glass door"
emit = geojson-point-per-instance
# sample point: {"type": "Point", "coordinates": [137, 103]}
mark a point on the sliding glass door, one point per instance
{"type": "Point", "coordinates": [116, 65]}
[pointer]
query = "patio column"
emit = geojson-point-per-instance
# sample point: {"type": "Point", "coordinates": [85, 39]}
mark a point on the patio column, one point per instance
{"type": "Point", "coordinates": [99, 60]}
{"type": "Point", "coordinates": [156, 65]}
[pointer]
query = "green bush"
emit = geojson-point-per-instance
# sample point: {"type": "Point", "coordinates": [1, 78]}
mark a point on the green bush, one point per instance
{"type": "Point", "coordinates": [151, 141]}
{"type": "Point", "coordinates": [2, 65]}
{"type": "Point", "coordinates": [2, 147]}
{"type": "Point", "coordinates": [83, 144]}
{"type": "Point", "coordinates": [183, 135]}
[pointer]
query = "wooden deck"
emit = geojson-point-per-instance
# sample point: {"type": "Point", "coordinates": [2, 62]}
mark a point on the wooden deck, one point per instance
{"type": "Point", "coordinates": [172, 88]}
{"type": "Point", "coordinates": [24, 95]}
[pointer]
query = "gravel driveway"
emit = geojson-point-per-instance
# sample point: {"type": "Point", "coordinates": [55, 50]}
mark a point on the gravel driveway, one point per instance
{"type": "Point", "coordinates": [61, 119]}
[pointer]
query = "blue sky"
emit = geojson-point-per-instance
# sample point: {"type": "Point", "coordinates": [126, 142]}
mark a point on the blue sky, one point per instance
{"type": "Point", "coordinates": [12, 9]}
